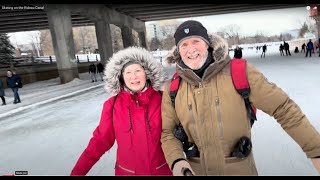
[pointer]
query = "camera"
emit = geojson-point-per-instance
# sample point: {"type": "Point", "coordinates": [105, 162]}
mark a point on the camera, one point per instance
{"type": "Point", "coordinates": [190, 149]}
{"type": "Point", "coordinates": [243, 148]}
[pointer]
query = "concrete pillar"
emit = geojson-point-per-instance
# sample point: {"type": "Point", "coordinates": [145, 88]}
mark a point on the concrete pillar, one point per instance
{"type": "Point", "coordinates": [127, 37]}
{"type": "Point", "coordinates": [142, 39]}
{"type": "Point", "coordinates": [103, 34]}
{"type": "Point", "coordinates": [62, 39]}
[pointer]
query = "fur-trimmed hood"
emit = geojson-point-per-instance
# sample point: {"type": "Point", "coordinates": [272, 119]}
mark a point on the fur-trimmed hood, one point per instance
{"type": "Point", "coordinates": [219, 45]}
{"type": "Point", "coordinates": [154, 70]}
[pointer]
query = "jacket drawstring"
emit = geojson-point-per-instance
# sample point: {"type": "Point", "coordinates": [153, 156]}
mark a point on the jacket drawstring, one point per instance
{"type": "Point", "coordinates": [129, 114]}
{"type": "Point", "coordinates": [147, 118]}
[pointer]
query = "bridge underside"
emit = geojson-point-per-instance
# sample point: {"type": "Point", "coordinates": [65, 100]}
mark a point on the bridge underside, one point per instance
{"type": "Point", "coordinates": [33, 17]}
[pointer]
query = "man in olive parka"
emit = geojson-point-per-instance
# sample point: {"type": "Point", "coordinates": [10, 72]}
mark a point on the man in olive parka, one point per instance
{"type": "Point", "coordinates": [214, 115]}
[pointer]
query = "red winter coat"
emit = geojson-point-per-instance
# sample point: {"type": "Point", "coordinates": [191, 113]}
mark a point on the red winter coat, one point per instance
{"type": "Point", "coordinates": [136, 126]}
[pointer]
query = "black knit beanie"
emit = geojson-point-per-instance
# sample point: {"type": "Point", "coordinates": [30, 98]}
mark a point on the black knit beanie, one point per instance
{"type": "Point", "coordinates": [190, 29]}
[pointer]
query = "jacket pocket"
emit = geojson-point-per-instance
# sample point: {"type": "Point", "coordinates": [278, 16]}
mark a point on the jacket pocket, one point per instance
{"type": "Point", "coordinates": [237, 166]}
{"type": "Point", "coordinates": [232, 160]}
{"type": "Point", "coordinates": [163, 169]}
{"type": "Point", "coordinates": [120, 170]}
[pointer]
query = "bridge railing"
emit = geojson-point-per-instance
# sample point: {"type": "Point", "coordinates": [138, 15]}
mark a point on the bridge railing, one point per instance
{"type": "Point", "coordinates": [31, 60]}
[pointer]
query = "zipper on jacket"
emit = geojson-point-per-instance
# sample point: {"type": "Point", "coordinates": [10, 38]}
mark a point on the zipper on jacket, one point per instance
{"type": "Point", "coordinates": [125, 169]}
{"type": "Point", "coordinates": [200, 85]}
{"type": "Point", "coordinates": [219, 117]}
{"type": "Point", "coordinates": [205, 170]}
{"type": "Point", "coordinates": [147, 118]}
{"type": "Point", "coordinates": [130, 121]}
{"type": "Point", "coordinates": [191, 113]}
{"type": "Point", "coordinates": [136, 99]}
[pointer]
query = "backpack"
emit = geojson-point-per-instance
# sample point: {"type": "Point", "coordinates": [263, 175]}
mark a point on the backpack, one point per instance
{"type": "Point", "coordinates": [240, 82]}
{"type": "Point", "coordinates": [19, 84]}
{"type": "Point", "coordinates": [92, 68]}
{"type": "Point", "coordinates": [19, 81]}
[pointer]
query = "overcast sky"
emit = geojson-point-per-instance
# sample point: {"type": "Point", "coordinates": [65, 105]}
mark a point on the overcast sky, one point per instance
{"type": "Point", "coordinates": [270, 22]}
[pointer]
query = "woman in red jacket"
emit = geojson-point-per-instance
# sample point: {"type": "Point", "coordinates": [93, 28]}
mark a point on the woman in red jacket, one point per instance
{"type": "Point", "coordinates": [132, 117]}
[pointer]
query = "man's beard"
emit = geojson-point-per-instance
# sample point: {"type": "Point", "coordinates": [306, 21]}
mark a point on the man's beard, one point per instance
{"type": "Point", "coordinates": [202, 61]}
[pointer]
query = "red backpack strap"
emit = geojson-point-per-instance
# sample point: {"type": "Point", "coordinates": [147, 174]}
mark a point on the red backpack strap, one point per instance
{"type": "Point", "coordinates": [239, 75]}
{"type": "Point", "coordinates": [240, 82]}
{"type": "Point", "coordinates": [174, 86]}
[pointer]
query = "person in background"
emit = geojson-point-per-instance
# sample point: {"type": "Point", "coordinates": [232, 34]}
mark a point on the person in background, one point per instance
{"type": "Point", "coordinates": [238, 52]}
{"type": "Point", "coordinates": [310, 47]}
{"type": "Point", "coordinates": [303, 47]}
{"type": "Point", "coordinates": [2, 94]}
{"type": "Point", "coordinates": [93, 72]}
{"type": "Point", "coordinates": [264, 49]}
{"type": "Point", "coordinates": [13, 81]}
{"type": "Point", "coordinates": [100, 69]}
{"type": "Point", "coordinates": [286, 48]}
{"type": "Point", "coordinates": [281, 48]}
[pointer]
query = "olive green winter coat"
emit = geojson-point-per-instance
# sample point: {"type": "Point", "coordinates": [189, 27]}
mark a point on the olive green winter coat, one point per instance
{"type": "Point", "coordinates": [214, 116]}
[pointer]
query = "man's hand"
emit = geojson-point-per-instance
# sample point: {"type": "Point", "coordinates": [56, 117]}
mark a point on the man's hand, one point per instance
{"type": "Point", "coordinates": [316, 163]}
{"type": "Point", "coordinates": [178, 167]}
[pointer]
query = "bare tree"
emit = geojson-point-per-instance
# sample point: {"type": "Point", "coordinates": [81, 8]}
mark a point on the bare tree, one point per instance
{"type": "Point", "coordinates": [248, 40]}
{"type": "Point", "coordinates": [83, 33]}
{"type": "Point", "coordinates": [85, 40]}
{"type": "Point", "coordinates": [155, 44]}
{"type": "Point", "coordinates": [286, 37]}
{"type": "Point", "coordinates": [308, 25]}
{"type": "Point", "coordinates": [312, 26]}
{"type": "Point", "coordinates": [164, 35]}
{"type": "Point", "coordinates": [46, 43]}
{"type": "Point", "coordinates": [35, 38]}
{"type": "Point", "coordinates": [259, 36]}
{"type": "Point", "coordinates": [273, 38]}
{"type": "Point", "coordinates": [116, 38]}
{"type": "Point", "coordinates": [231, 32]}
{"type": "Point", "coordinates": [303, 29]}
{"type": "Point", "coordinates": [168, 42]}
{"type": "Point", "coordinates": [167, 28]}
{"type": "Point", "coordinates": [135, 37]}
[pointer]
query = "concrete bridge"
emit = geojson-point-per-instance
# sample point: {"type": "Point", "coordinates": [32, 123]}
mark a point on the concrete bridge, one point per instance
{"type": "Point", "coordinates": [60, 18]}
